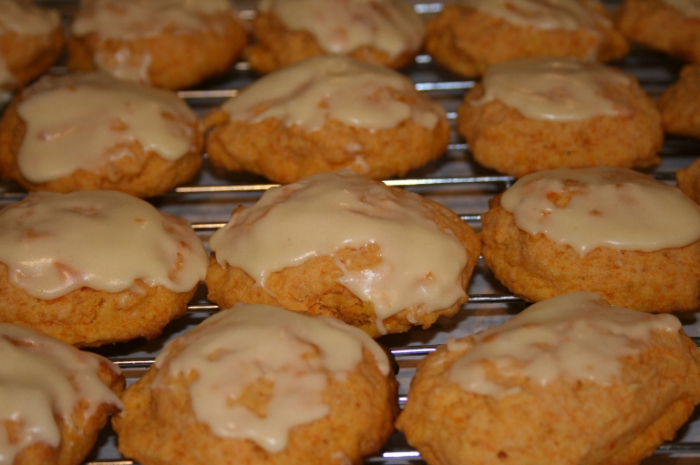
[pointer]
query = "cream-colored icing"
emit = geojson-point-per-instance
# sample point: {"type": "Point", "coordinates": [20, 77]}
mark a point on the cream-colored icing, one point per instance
{"type": "Point", "coordinates": [53, 244]}
{"type": "Point", "coordinates": [575, 336]}
{"type": "Point", "coordinates": [318, 216]}
{"type": "Point", "coordinates": [25, 18]}
{"type": "Point", "coordinates": [542, 14]}
{"type": "Point", "coordinates": [41, 377]}
{"type": "Point", "coordinates": [129, 19]}
{"type": "Point", "coordinates": [335, 87]}
{"type": "Point", "coordinates": [689, 8]}
{"type": "Point", "coordinates": [555, 89]}
{"type": "Point", "coordinates": [341, 26]}
{"type": "Point", "coordinates": [237, 347]}
{"type": "Point", "coordinates": [610, 207]}
{"type": "Point", "coordinates": [84, 121]}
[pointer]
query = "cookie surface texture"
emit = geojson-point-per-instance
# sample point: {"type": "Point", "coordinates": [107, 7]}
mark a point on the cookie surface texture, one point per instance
{"type": "Point", "coordinates": [91, 268]}
{"type": "Point", "coordinates": [616, 232]}
{"type": "Point", "coordinates": [585, 381]}
{"type": "Point", "coordinates": [258, 385]}
{"type": "Point", "coordinates": [376, 257]}
{"type": "Point", "coordinates": [327, 113]}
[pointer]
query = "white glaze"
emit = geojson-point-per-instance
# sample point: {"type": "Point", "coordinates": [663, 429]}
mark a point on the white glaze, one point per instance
{"type": "Point", "coordinates": [296, 352]}
{"type": "Point", "coordinates": [569, 15]}
{"type": "Point", "coordinates": [332, 87]}
{"type": "Point", "coordinates": [421, 265]}
{"type": "Point", "coordinates": [689, 8]}
{"type": "Point", "coordinates": [575, 336]}
{"type": "Point", "coordinates": [611, 207]}
{"type": "Point", "coordinates": [99, 115]}
{"type": "Point", "coordinates": [53, 244]}
{"type": "Point", "coordinates": [341, 26]}
{"type": "Point", "coordinates": [41, 377]}
{"type": "Point", "coordinates": [555, 89]}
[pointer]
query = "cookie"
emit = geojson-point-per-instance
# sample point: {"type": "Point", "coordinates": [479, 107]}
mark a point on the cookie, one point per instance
{"type": "Point", "coordinates": [56, 399]}
{"type": "Point", "coordinates": [92, 268]}
{"type": "Point", "coordinates": [31, 40]}
{"type": "Point", "coordinates": [386, 32]}
{"type": "Point", "coordinates": [544, 113]}
{"type": "Point", "coordinates": [109, 134]}
{"type": "Point", "coordinates": [679, 104]}
{"type": "Point", "coordinates": [379, 258]}
{"type": "Point", "coordinates": [323, 114]}
{"type": "Point", "coordinates": [469, 36]}
{"type": "Point", "coordinates": [259, 385]}
{"type": "Point", "coordinates": [167, 43]}
{"type": "Point", "coordinates": [669, 26]}
{"type": "Point", "coordinates": [585, 381]}
{"type": "Point", "coordinates": [612, 231]}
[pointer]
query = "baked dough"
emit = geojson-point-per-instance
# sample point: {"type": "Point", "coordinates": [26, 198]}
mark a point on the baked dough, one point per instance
{"type": "Point", "coordinates": [327, 113]}
{"type": "Point", "coordinates": [542, 113]}
{"type": "Point", "coordinates": [680, 104]}
{"type": "Point", "coordinates": [670, 26]}
{"type": "Point", "coordinates": [259, 385]}
{"type": "Point", "coordinates": [166, 43]}
{"type": "Point", "coordinates": [570, 380]}
{"type": "Point", "coordinates": [337, 244]}
{"type": "Point", "coordinates": [615, 232]}
{"type": "Point", "coordinates": [31, 40]}
{"type": "Point", "coordinates": [387, 32]}
{"type": "Point", "coordinates": [56, 399]}
{"type": "Point", "coordinates": [469, 36]}
{"type": "Point", "coordinates": [109, 134]}
{"type": "Point", "coordinates": [92, 268]}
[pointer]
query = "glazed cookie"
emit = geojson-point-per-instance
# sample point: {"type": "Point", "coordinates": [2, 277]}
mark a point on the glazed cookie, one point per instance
{"type": "Point", "coordinates": [387, 32]}
{"type": "Point", "coordinates": [31, 40]}
{"type": "Point", "coordinates": [584, 381]}
{"type": "Point", "coordinates": [324, 114]}
{"type": "Point", "coordinates": [670, 26]}
{"type": "Point", "coordinates": [535, 114]}
{"type": "Point", "coordinates": [379, 258]}
{"type": "Point", "coordinates": [172, 44]}
{"type": "Point", "coordinates": [109, 134]}
{"type": "Point", "coordinates": [55, 398]}
{"type": "Point", "coordinates": [91, 268]}
{"type": "Point", "coordinates": [259, 385]}
{"type": "Point", "coordinates": [469, 36]}
{"type": "Point", "coordinates": [680, 103]}
{"type": "Point", "coordinates": [612, 231]}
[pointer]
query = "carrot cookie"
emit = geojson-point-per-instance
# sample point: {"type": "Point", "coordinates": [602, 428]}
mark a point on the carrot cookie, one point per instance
{"type": "Point", "coordinates": [31, 40]}
{"type": "Point", "coordinates": [167, 43]}
{"type": "Point", "coordinates": [543, 113]}
{"type": "Point", "coordinates": [612, 231]}
{"type": "Point", "coordinates": [680, 103]}
{"type": "Point", "coordinates": [91, 268]}
{"type": "Point", "coordinates": [327, 113]}
{"type": "Point", "coordinates": [258, 385]}
{"type": "Point", "coordinates": [469, 36]}
{"type": "Point", "coordinates": [670, 26]}
{"type": "Point", "coordinates": [688, 179]}
{"type": "Point", "coordinates": [55, 398]}
{"type": "Point", "coordinates": [108, 134]}
{"type": "Point", "coordinates": [387, 32]}
{"type": "Point", "coordinates": [379, 258]}
{"type": "Point", "coordinates": [583, 381]}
